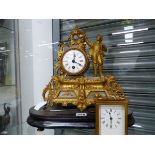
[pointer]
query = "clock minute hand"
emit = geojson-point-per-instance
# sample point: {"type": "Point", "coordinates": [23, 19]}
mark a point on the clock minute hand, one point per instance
{"type": "Point", "coordinates": [78, 63]}
{"type": "Point", "coordinates": [110, 120]}
{"type": "Point", "coordinates": [74, 56]}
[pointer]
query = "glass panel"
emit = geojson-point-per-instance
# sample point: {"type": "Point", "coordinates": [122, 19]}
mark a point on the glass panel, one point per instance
{"type": "Point", "coordinates": [8, 103]}
{"type": "Point", "coordinates": [130, 58]}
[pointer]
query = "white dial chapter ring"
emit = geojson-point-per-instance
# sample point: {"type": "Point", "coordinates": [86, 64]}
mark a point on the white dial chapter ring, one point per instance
{"type": "Point", "coordinates": [74, 61]}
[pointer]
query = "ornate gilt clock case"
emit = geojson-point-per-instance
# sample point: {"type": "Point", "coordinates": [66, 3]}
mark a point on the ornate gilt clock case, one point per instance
{"type": "Point", "coordinates": [70, 87]}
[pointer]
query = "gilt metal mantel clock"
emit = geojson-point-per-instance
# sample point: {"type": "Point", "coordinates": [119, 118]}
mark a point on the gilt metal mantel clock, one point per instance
{"type": "Point", "coordinates": [69, 85]}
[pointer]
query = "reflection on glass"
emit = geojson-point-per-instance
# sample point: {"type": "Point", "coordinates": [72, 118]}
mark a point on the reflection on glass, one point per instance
{"type": "Point", "coordinates": [129, 31]}
{"type": "Point", "coordinates": [134, 43]}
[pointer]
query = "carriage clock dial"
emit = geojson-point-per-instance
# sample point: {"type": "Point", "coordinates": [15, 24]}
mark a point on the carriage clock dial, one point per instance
{"type": "Point", "coordinates": [112, 119]}
{"type": "Point", "coordinates": [74, 62]}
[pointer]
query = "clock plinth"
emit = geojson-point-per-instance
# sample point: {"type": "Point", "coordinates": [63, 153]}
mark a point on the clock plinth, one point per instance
{"type": "Point", "coordinates": [82, 91]}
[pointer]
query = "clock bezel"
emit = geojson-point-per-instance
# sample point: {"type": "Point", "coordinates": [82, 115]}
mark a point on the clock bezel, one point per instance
{"type": "Point", "coordinates": [84, 68]}
{"type": "Point", "coordinates": [114, 103]}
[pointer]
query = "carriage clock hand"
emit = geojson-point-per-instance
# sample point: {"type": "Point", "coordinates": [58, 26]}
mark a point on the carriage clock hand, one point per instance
{"type": "Point", "coordinates": [110, 120]}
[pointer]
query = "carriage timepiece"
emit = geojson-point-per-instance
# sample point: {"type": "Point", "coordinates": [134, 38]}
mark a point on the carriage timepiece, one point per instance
{"type": "Point", "coordinates": [111, 118]}
{"type": "Point", "coordinates": [69, 85]}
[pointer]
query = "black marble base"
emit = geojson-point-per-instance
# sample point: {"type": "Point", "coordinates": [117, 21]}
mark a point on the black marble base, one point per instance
{"type": "Point", "coordinates": [53, 117]}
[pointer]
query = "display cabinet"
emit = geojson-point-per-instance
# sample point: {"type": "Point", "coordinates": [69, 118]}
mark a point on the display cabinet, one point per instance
{"type": "Point", "coordinates": [9, 104]}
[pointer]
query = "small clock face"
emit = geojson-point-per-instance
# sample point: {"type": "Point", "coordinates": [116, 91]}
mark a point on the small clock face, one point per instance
{"type": "Point", "coordinates": [112, 119]}
{"type": "Point", "coordinates": [74, 61]}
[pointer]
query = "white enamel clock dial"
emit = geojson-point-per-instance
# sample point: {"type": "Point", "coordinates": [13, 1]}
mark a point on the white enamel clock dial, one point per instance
{"type": "Point", "coordinates": [112, 119]}
{"type": "Point", "coordinates": [74, 61]}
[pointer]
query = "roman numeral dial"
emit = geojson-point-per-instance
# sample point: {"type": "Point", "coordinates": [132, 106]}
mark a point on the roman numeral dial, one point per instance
{"type": "Point", "coordinates": [74, 61]}
{"type": "Point", "coordinates": [111, 118]}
